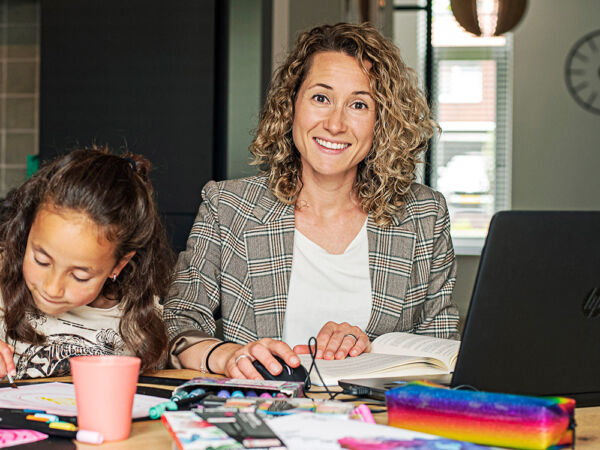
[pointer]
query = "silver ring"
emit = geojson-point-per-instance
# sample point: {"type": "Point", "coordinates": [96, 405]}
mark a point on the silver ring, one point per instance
{"type": "Point", "coordinates": [241, 357]}
{"type": "Point", "coordinates": [351, 335]}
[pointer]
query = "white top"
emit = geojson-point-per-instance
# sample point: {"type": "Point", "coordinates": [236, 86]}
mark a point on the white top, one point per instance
{"type": "Point", "coordinates": [326, 287]}
{"type": "Point", "coordinates": [84, 330]}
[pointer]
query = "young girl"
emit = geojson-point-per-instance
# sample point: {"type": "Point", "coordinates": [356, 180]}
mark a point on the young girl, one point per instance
{"type": "Point", "coordinates": [83, 256]}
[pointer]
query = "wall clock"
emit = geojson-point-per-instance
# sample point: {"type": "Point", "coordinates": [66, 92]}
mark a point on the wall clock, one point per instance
{"type": "Point", "coordinates": [582, 72]}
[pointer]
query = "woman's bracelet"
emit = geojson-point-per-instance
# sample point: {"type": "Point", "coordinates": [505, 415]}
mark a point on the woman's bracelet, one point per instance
{"type": "Point", "coordinates": [213, 348]}
{"type": "Point", "coordinates": [204, 358]}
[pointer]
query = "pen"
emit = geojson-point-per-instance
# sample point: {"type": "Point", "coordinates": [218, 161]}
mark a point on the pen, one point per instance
{"type": "Point", "coordinates": [11, 381]}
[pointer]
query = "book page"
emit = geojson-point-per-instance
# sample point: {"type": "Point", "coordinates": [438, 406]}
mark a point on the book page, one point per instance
{"type": "Point", "coordinates": [398, 343]}
{"type": "Point", "coordinates": [370, 365]}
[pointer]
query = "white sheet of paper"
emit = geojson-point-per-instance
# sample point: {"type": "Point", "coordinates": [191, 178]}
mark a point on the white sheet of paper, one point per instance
{"type": "Point", "coordinates": [59, 398]}
{"type": "Point", "coordinates": [321, 431]}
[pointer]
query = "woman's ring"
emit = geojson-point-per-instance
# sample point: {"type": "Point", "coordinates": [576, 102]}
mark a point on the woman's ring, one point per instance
{"type": "Point", "coordinates": [351, 335]}
{"type": "Point", "coordinates": [240, 357]}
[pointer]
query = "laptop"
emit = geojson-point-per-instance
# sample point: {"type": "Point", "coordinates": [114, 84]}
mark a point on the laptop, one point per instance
{"type": "Point", "coordinates": [533, 325]}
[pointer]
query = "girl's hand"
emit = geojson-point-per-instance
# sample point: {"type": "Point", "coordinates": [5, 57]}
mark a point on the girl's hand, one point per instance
{"type": "Point", "coordinates": [7, 365]}
{"type": "Point", "coordinates": [338, 340]}
{"type": "Point", "coordinates": [240, 361]}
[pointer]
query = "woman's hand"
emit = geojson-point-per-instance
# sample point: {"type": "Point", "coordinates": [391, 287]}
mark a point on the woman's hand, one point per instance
{"type": "Point", "coordinates": [239, 364]}
{"type": "Point", "coordinates": [338, 340]}
{"type": "Point", "coordinates": [7, 365]}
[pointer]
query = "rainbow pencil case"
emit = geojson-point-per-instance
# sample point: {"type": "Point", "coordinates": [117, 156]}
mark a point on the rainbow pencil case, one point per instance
{"type": "Point", "coordinates": [504, 420]}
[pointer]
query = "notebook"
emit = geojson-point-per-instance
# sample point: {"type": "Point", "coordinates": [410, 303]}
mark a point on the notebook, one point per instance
{"type": "Point", "coordinates": [533, 325]}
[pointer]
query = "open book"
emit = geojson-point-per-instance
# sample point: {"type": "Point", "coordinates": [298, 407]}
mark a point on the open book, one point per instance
{"type": "Point", "coordinates": [392, 354]}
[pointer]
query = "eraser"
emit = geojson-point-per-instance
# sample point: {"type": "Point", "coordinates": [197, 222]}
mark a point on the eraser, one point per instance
{"type": "Point", "coordinates": [89, 437]}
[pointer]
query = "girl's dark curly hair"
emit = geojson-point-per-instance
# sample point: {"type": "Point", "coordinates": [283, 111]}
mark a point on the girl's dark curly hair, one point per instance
{"type": "Point", "coordinates": [402, 128]}
{"type": "Point", "coordinates": [116, 193]}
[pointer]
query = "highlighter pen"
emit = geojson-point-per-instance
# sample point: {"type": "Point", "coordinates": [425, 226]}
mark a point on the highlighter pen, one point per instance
{"type": "Point", "coordinates": [194, 397]}
{"type": "Point", "coordinates": [60, 429]}
{"type": "Point", "coordinates": [49, 417]}
{"type": "Point", "coordinates": [189, 402]}
{"type": "Point", "coordinates": [156, 411]}
{"type": "Point", "coordinates": [62, 426]}
{"type": "Point", "coordinates": [365, 413]}
{"type": "Point", "coordinates": [179, 403]}
{"type": "Point", "coordinates": [70, 430]}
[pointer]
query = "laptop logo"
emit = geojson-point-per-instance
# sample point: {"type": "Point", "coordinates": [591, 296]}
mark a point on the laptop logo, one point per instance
{"type": "Point", "coordinates": [591, 304]}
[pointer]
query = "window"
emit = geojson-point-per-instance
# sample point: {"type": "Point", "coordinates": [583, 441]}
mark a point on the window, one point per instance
{"type": "Point", "coordinates": [460, 81]}
{"type": "Point", "coordinates": [470, 93]}
{"type": "Point", "coordinates": [470, 99]}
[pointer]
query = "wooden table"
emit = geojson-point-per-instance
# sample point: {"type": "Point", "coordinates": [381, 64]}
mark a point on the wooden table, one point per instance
{"type": "Point", "coordinates": [153, 435]}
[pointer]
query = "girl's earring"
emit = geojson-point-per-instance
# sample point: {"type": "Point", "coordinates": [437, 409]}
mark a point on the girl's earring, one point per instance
{"type": "Point", "coordinates": [114, 277]}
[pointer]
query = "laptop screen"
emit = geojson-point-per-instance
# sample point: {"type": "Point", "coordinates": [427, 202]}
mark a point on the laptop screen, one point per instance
{"type": "Point", "coordinates": [533, 325]}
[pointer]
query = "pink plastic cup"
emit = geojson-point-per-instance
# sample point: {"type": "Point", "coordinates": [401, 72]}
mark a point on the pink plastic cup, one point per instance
{"type": "Point", "coordinates": [104, 390]}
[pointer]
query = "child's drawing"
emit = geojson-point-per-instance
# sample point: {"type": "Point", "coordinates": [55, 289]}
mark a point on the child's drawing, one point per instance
{"type": "Point", "coordinates": [59, 398]}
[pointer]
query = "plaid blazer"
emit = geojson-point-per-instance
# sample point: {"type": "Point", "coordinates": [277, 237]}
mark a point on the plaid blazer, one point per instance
{"type": "Point", "coordinates": [239, 259]}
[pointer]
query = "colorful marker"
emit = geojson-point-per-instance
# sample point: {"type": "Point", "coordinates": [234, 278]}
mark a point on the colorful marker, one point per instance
{"type": "Point", "coordinates": [198, 391]}
{"type": "Point", "coordinates": [49, 417]}
{"type": "Point", "coordinates": [179, 395]}
{"type": "Point", "coordinates": [195, 397]}
{"type": "Point", "coordinates": [63, 429]}
{"type": "Point", "coordinates": [157, 411]}
{"type": "Point", "coordinates": [37, 419]}
{"type": "Point", "coordinates": [365, 413]}
{"type": "Point", "coordinates": [23, 413]}
{"type": "Point", "coordinates": [63, 426]}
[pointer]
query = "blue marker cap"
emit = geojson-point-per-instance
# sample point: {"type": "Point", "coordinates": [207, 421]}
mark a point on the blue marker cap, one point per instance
{"type": "Point", "coordinates": [179, 395]}
{"type": "Point", "coordinates": [237, 394]}
{"type": "Point", "coordinates": [196, 392]}
{"type": "Point", "coordinates": [251, 394]}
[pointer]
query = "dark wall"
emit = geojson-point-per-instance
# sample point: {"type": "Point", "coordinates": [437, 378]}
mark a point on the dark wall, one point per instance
{"type": "Point", "coordinates": [138, 74]}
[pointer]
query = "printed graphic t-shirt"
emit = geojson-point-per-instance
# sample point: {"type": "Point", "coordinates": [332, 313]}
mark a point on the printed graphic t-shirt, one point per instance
{"type": "Point", "coordinates": [81, 331]}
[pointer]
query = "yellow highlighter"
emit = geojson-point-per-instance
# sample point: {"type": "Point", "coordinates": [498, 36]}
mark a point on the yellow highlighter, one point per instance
{"type": "Point", "coordinates": [63, 426]}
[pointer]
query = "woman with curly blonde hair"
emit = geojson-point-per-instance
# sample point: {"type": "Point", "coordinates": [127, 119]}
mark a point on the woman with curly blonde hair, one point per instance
{"type": "Point", "coordinates": [334, 239]}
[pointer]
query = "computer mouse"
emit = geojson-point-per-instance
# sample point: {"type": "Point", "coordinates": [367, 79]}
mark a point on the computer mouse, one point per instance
{"type": "Point", "coordinates": [287, 374]}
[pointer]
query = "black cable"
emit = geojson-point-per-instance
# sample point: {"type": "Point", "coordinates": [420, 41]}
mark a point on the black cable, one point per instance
{"type": "Point", "coordinates": [313, 354]}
